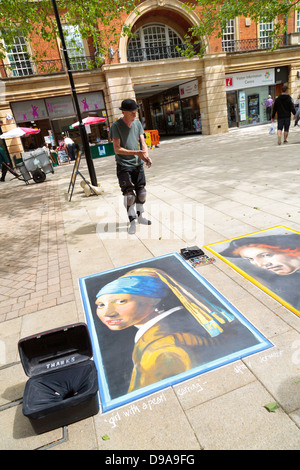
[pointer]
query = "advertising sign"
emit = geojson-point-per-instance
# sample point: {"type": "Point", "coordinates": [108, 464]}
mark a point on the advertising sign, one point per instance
{"type": "Point", "coordinates": [188, 89]}
{"type": "Point", "coordinates": [249, 79]}
{"type": "Point", "coordinates": [91, 101]}
{"type": "Point", "coordinates": [29, 110]}
{"type": "Point", "coordinates": [60, 106]}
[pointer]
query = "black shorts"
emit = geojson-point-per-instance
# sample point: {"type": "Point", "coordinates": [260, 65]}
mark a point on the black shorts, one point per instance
{"type": "Point", "coordinates": [284, 124]}
{"type": "Point", "coordinates": [131, 178]}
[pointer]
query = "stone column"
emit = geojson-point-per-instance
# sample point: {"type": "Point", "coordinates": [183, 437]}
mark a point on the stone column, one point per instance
{"type": "Point", "coordinates": [14, 146]}
{"type": "Point", "coordinates": [212, 96]}
{"type": "Point", "coordinates": [119, 87]}
{"type": "Point", "coordinates": [294, 80]}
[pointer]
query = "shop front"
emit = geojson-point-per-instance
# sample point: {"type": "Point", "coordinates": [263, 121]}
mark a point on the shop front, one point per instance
{"type": "Point", "coordinates": [176, 111]}
{"type": "Point", "coordinates": [55, 116]}
{"type": "Point", "coordinates": [247, 93]}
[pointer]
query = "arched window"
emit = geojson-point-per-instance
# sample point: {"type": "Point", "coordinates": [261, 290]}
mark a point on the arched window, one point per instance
{"type": "Point", "coordinates": [153, 42]}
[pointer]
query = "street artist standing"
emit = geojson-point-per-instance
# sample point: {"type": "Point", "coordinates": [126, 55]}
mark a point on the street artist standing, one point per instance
{"type": "Point", "coordinates": [127, 133]}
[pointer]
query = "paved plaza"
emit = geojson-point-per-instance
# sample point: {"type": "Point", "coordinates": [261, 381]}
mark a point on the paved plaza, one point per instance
{"type": "Point", "coordinates": [201, 190]}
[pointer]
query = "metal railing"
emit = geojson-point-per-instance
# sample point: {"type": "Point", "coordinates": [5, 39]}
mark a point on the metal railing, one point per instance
{"type": "Point", "coordinates": [169, 52]}
{"type": "Point", "coordinates": [154, 53]}
{"type": "Point", "coordinates": [244, 45]}
{"type": "Point", "coordinates": [25, 68]}
{"type": "Point", "coordinates": [46, 67]}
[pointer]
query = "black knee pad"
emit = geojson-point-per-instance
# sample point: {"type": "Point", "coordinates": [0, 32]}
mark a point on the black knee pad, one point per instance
{"type": "Point", "coordinates": [129, 199]}
{"type": "Point", "coordinates": [141, 195]}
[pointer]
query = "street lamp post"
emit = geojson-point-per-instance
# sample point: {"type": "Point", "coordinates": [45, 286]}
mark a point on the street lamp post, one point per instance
{"type": "Point", "coordinates": [83, 134]}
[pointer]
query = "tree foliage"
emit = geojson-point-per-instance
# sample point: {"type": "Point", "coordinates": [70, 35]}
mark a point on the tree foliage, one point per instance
{"type": "Point", "coordinates": [96, 19]}
{"type": "Point", "coordinates": [101, 20]}
{"type": "Point", "coordinates": [214, 15]}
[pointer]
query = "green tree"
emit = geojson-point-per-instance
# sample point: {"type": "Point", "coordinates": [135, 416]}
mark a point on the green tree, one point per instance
{"type": "Point", "coordinates": [97, 20]}
{"type": "Point", "coordinates": [214, 15]}
{"type": "Point", "coordinates": [25, 15]}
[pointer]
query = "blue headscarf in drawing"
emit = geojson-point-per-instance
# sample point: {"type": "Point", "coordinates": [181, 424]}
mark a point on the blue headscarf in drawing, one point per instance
{"type": "Point", "coordinates": [146, 286]}
{"type": "Point", "coordinates": [151, 282]}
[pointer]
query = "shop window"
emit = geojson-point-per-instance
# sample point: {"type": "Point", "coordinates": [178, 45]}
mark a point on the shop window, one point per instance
{"type": "Point", "coordinates": [265, 30]}
{"type": "Point", "coordinates": [18, 57]}
{"type": "Point", "coordinates": [297, 21]}
{"type": "Point", "coordinates": [232, 109]}
{"type": "Point", "coordinates": [153, 42]}
{"type": "Point", "coordinates": [75, 47]}
{"type": "Point", "coordinates": [228, 37]}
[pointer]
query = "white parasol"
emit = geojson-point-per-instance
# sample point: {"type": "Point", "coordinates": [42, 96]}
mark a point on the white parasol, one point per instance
{"type": "Point", "coordinates": [19, 132]}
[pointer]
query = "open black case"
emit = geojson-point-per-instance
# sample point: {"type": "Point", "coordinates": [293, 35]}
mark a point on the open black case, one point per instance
{"type": "Point", "coordinates": [63, 383]}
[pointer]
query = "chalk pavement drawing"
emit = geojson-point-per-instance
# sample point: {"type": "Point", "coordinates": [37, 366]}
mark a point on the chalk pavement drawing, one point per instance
{"type": "Point", "coordinates": [270, 259]}
{"type": "Point", "coordinates": [156, 323]}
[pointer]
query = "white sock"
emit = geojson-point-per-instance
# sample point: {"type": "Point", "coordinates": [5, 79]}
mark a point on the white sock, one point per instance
{"type": "Point", "coordinates": [142, 220]}
{"type": "Point", "coordinates": [132, 227]}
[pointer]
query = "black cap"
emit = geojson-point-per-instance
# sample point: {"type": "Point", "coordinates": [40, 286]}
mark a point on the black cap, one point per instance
{"type": "Point", "coordinates": [129, 105]}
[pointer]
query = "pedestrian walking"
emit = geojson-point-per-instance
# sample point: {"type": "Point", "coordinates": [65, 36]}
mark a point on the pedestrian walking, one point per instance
{"type": "Point", "coordinates": [4, 163]}
{"type": "Point", "coordinates": [127, 133]}
{"type": "Point", "coordinates": [297, 102]}
{"type": "Point", "coordinates": [70, 146]}
{"type": "Point", "coordinates": [297, 115]}
{"type": "Point", "coordinates": [283, 107]}
{"type": "Point", "coordinates": [268, 104]}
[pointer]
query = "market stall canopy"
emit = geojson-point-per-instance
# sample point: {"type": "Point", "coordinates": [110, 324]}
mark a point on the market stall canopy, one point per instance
{"type": "Point", "coordinates": [90, 120]}
{"type": "Point", "coordinates": [19, 132]}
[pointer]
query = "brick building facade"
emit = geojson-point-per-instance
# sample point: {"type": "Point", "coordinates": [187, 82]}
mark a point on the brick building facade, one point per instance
{"type": "Point", "coordinates": [178, 95]}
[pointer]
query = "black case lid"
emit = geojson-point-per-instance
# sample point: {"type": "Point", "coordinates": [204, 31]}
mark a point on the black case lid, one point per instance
{"type": "Point", "coordinates": [52, 350]}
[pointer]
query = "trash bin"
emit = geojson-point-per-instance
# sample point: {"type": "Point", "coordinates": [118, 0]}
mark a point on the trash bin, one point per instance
{"type": "Point", "coordinates": [63, 383]}
{"type": "Point", "coordinates": [38, 159]}
{"type": "Point", "coordinates": [23, 170]}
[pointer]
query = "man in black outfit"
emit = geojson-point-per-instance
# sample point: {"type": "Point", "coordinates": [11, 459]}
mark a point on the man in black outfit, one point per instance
{"type": "Point", "coordinates": [283, 106]}
{"type": "Point", "coordinates": [4, 163]}
{"type": "Point", "coordinates": [127, 134]}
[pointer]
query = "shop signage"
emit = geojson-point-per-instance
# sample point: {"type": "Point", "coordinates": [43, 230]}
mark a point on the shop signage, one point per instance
{"type": "Point", "coordinates": [29, 110]}
{"type": "Point", "coordinates": [60, 106]}
{"type": "Point", "coordinates": [188, 89]}
{"type": "Point", "coordinates": [91, 101]}
{"type": "Point", "coordinates": [249, 79]}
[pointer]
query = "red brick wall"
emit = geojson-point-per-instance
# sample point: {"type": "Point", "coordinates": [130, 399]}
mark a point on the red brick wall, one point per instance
{"type": "Point", "coordinates": [40, 46]}
{"type": "Point", "coordinates": [246, 32]}
{"type": "Point", "coordinates": [51, 51]}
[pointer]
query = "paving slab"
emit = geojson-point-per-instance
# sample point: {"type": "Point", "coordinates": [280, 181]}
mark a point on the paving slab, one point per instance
{"type": "Point", "coordinates": [210, 385]}
{"type": "Point", "coordinates": [279, 369]}
{"type": "Point", "coordinates": [143, 425]}
{"type": "Point", "coordinates": [239, 420]}
{"type": "Point", "coordinates": [17, 432]}
{"type": "Point", "coordinates": [200, 190]}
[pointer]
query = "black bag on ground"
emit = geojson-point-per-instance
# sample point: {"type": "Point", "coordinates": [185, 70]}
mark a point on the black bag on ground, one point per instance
{"type": "Point", "coordinates": [63, 384]}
